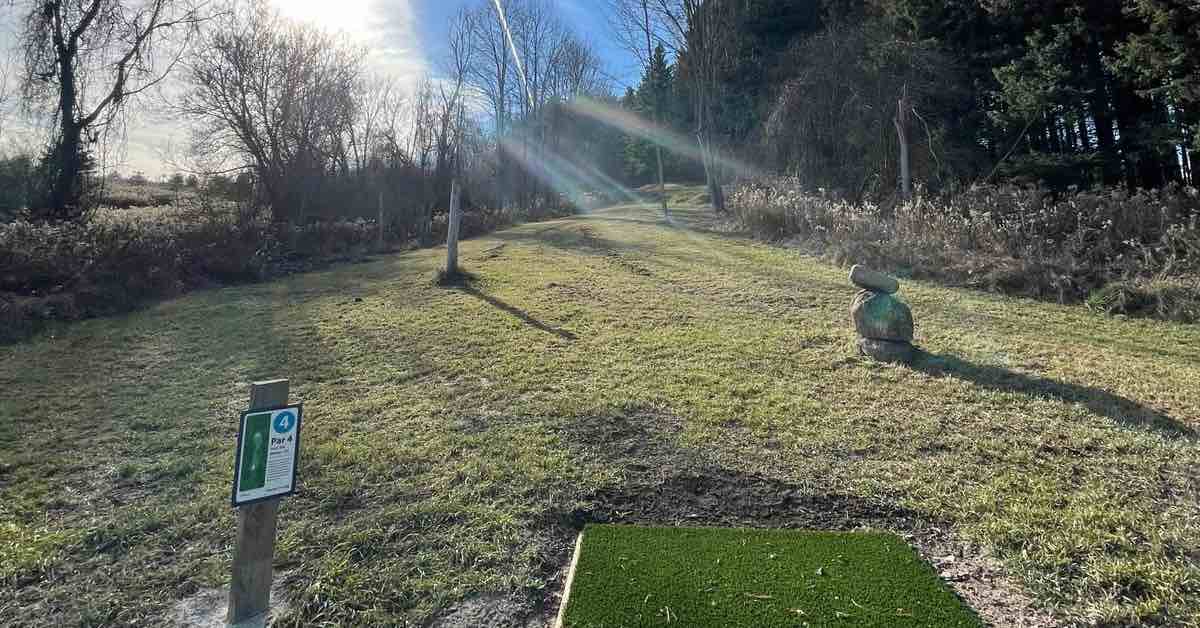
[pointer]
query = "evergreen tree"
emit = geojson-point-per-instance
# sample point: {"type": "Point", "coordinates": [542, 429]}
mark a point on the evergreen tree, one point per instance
{"type": "Point", "coordinates": [651, 101]}
{"type": "Point", "coordinates": [1065, 93]}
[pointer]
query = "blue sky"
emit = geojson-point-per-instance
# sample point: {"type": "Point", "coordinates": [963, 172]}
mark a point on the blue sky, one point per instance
{"type": "Point", "coordinates": [585, 17]}
{"type": "Point", "coordinates": [406, 37]}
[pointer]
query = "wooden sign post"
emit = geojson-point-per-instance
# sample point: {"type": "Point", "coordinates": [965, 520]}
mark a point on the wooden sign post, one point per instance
{"type": "Point", "coordinates": [264, 471]}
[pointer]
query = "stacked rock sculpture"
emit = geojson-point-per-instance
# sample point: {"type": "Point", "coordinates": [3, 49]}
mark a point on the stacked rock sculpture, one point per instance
{"type": "Point", "coordinates": [883, 322]}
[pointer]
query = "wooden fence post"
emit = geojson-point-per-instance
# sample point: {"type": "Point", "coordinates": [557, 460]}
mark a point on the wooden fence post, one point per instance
{"type": "Point", "coordinates": [250, 587]}
{"type": "Point", "coordinates": [452, 229]}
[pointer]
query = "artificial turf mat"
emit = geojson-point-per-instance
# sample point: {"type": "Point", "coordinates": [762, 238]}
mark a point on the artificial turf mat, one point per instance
{"type": "Point", "coordinates": [628, 576]}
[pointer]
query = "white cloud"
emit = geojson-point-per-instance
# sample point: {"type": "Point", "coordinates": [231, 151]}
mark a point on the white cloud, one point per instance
{"type": "Point", "coordinates": [386, 28]}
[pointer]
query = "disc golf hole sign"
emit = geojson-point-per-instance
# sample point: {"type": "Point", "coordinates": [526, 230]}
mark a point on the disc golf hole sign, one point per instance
{"type": "Point", "coordinates": [267, 449]}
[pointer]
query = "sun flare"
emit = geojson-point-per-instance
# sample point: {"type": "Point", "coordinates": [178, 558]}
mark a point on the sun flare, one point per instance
{"type": "Point", "coordinates": [348, 16]}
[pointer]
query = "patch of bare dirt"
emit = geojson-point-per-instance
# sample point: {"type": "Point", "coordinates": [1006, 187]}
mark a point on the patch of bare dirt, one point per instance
{"type": "Point", "coordinates": [206, 608]}
{"type": "Point", "coordinates": [490, 611]}
{"type": "Point", "coordinates": [670, 486]}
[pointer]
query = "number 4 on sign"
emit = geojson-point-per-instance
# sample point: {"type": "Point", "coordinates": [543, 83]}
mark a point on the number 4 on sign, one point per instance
{"type": "Point", "coordinates": [284, 421]}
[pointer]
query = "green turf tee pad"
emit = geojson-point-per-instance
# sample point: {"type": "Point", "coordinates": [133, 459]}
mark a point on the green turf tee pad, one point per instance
{"type": "Point", "coordinates": [628, 576]}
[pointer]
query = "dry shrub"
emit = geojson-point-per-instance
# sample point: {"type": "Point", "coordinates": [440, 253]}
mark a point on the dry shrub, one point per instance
{"type": "Point", "coordinates": [1133, 253]}
{"type": "Point", "coordinates": [109, 265]}
{"type": "Point", "coordinates": [117, 260]}
{"type": "Point", "coordinates": [1175, 300]}
{"type": "Point", "coordinates": [121, 258]}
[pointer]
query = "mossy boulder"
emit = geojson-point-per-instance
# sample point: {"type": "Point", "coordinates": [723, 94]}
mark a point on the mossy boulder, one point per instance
{"type": "Point", "coordinates": [887, 350]}
{"type": "Point", "coordinates": [880, 316]}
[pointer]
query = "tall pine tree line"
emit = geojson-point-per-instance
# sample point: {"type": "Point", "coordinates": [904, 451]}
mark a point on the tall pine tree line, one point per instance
{"type": "Point", "coordinates": [1105, 92]}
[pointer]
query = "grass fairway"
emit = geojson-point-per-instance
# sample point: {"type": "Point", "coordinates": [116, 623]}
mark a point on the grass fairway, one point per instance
{"type": "Point", "coordinates": [631, 576]}
{"type": "Point", "coordinates": [603, 368]}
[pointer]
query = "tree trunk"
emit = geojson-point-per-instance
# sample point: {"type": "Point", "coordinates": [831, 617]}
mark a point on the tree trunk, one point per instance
{"type": "Point", "coordinates": [901, 121]}
{"type": "Point", "coordinates": [1189, 122]}
{"type": "Point", "coordinates": [1192, 159]}
{"type": "Point", "coordinates": [1071, 141]}
{"type": "Point", "coordinates": [379, 236]}
{"type": "Point", "coordinates": [501, 158]}
{"type": "Point", "coordinates": [712, 180]}
{"type": "Point", "coordinates": [1055, 143]}
{"type": "Point", "coordinates": [1085, 142]}
{"type": "Point", "coordinates": [717, 195]}
{"type": "Point", "coordinates": [662, 186]}
{"type": "Point", "coordinates": [1036, 139]}
{"type": "Point", "coordinates": [64, 198]}
{"type": "Point", "coordinates": [65, 192]}
{"type": "Point", "coordinates": [1099, 103]}
{"type": "Point", "coordinates": [1168, 152]}
{"type": "Point", "coordinates": [1135, 114]}
{"type": "Point", "coordinates": [527, 193]}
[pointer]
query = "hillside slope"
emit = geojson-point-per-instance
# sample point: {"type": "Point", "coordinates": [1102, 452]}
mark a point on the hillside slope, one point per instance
{"type": "Point", "coordinates": [599, 368]}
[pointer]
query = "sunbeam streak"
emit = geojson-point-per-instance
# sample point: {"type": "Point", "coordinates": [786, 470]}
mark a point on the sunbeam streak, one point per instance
{"type": "Point", "coordinates": [676, 143]}
{"type": "Point", "coordinates": [565, 177]}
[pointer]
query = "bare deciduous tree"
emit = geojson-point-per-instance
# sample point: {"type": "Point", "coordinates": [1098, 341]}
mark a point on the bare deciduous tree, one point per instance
{"type": "Point", "coordinates": [578, 70]}
{"type": "Point", "coordinates": [5, 96]}
{"type": "Point", "coordinates": [280, 95]}
{"type": "Point", "coordinates": [451, 125]}
{"type": "Point", "coordinates": [632, 23]}
{"type": "Point", "coordinates": [87, 59]}
{"type": "Point", "coordinates": [378, 101]}
{"type": "Point", "coordinates": [698, 30]}
{"type": "Point", "coordinates": [490, 73]}
{"type": "Point", "coordinates": [451, 101]}
{"type": "Point", "coordinates": [521, 59]}
{"type": "Point", "coordinates": [703, 28]}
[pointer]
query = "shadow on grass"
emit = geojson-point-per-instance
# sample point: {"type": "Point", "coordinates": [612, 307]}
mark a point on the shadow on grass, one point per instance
{"type": "Point", "coordinates": [454, 278]}
{"type": "Point", "coordinates": [466, 288]}
{"type": "Point", "coordinates": [666, 483]}
{"type": "Point", "coordinates": [656, 219]}
{"type": "Point", "coordinates": [1119, 409]}
{"type": "Point", "coordinates": [575, 236]}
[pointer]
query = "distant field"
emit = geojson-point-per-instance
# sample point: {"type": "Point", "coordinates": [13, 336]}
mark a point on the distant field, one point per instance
{"type": "Point", "coordinates": [605, 368]}
{"type": "Point", "coordinates": [127, 195]}
{"type": "Point", "coordinates": [152, 215]}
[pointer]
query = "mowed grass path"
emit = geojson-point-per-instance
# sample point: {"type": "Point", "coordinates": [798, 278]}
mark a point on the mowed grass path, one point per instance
{"type": "Point", "coordinates": [447, 454]}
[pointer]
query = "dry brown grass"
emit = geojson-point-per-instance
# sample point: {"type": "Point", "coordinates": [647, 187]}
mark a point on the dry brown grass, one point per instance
{"type": "Point", "coordinates": [1081, 248]}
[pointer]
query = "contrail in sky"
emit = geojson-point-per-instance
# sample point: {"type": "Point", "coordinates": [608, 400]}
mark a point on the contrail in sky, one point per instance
{"type": "Point", "coordinates": [513, 48]}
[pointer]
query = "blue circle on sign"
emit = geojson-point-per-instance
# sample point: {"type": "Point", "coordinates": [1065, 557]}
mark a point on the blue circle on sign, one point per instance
{"type": "Point", "coordinates": [284, 422]}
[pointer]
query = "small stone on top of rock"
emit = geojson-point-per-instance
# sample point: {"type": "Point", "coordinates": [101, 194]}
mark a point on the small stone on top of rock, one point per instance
{"type": "Point", "coordinates": [868, 279]}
